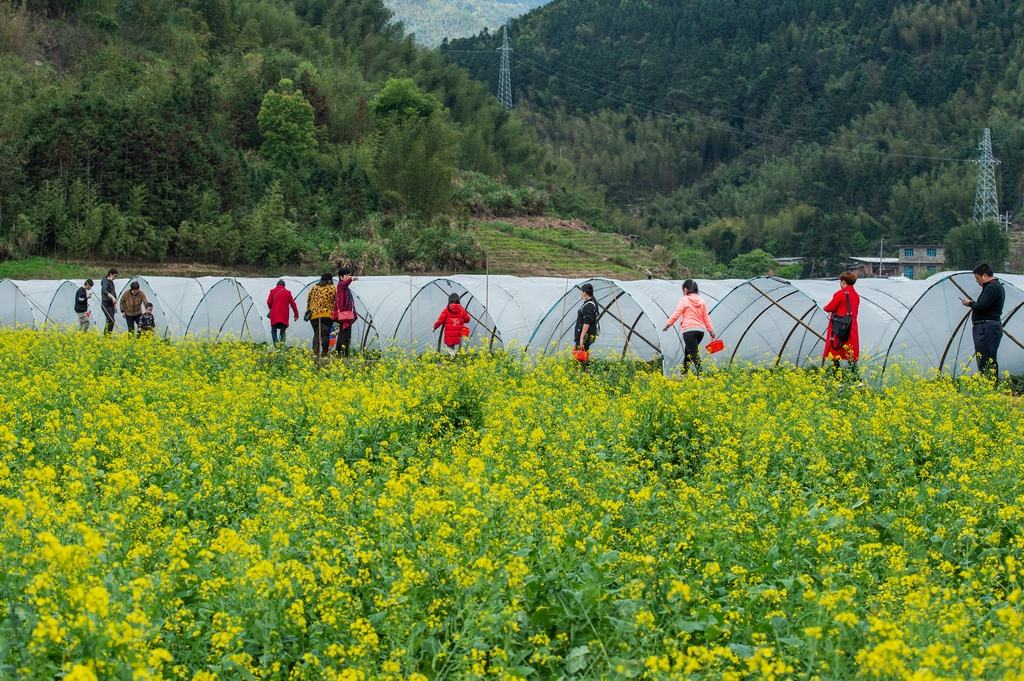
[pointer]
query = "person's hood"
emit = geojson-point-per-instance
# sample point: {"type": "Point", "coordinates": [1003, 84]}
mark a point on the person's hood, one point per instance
{"type": "Point", "coordinates": [456, 308]}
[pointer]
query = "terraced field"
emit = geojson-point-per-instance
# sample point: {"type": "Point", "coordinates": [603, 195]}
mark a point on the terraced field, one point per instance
{"type": "Point", "coordinates": [559, 248]}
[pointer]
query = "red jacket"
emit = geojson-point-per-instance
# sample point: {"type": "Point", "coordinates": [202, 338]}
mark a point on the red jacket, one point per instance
{"type": "Point", "coordinates": [279, 300]}
{"type": "Point", "coordinates": [837, 306]}
{"type": "Point", "coordinates": [453, 317]}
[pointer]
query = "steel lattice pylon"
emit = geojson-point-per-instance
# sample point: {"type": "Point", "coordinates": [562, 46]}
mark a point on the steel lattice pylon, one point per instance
{"type": "Point", "coordinates": [986, 200]}
{"type": "Point", "coordinates": [505, 75]}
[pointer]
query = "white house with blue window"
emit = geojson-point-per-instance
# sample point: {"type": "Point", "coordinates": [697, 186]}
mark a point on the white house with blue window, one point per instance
{"type": "Point", "coordinates": [921, 261]}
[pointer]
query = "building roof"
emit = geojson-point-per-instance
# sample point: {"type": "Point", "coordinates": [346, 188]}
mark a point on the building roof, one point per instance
{"type": "Point", "coordinates": [867, 259]}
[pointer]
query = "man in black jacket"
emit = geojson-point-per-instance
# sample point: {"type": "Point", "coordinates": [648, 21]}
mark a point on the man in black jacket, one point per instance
{"type": "Point", "coordinates": [987, 319]}
{"type": "Point", "coordinates": [82, 305]}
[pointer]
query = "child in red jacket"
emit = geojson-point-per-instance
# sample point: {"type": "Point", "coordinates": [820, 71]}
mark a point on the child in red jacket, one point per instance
{"type": "Point", "coordinates": [454, 319]}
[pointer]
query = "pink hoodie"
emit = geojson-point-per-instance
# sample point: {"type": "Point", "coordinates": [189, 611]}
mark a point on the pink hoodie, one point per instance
{"type": "Point", "coordinates": [692, 314]}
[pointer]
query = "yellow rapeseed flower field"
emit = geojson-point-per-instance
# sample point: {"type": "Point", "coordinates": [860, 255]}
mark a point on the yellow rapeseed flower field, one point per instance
{"type": "Point", "coordinates": [220, 511]}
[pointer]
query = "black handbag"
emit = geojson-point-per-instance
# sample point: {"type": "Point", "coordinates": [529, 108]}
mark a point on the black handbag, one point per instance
{"type": "Point", "coordinates": [842, 326]}
{"type": "Point", "coordinates": [309, 315]}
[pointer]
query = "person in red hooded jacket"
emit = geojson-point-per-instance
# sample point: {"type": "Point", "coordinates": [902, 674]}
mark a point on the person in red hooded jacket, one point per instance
{"type": "Point", "coordinates": [845, 303]}
{"type": "Point", "coordinates": [454, 319]}
{"type": "Point", "coordinates": [279, 300]}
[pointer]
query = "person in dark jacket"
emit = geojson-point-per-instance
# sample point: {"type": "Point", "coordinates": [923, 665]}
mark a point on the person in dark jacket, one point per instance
{"type": "Point", "coordinates": [82, 305]}
{"type": "Point", "coordinates": [344, 311]}
{"type": "Point", "coordinates": [586, 320]}
{"type": "Point", "coordinates": [133, 304]}
{"type": "Point", "coordinates": [147, 322]}
{"type": "Point", "coordinates": [108, 300]}
{"type": "Point", "coordinates": [454, 319]}
{"type": "Point", "coordinates": [279, 301]}
{"type": "Point", "coordinates": [987, 319]}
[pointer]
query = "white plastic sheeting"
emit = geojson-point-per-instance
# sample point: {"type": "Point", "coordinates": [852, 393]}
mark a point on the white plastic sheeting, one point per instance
{"type": "Point", "coordinates": [15, 307]}
{"type": "Point", "coordinates": [630, 324]}
{"type": "Point", "coordinates": [763, 321]}
{"type": "Point", "coordinates": [768, 321]}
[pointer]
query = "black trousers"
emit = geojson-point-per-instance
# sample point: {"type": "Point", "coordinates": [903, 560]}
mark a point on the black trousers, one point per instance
{"type": "Point", "coordinates": [133, 323]}
{"type": "Point", "coordinates": [108, 316]}
{"type": "Point", "coordinates": [987, 336]}
{"type": "Point", "coordinates": [691, 346]}
{"type": "Point", "coordinates": [322, 336]}
{"type": "Point", "coordinates": [344, 339]}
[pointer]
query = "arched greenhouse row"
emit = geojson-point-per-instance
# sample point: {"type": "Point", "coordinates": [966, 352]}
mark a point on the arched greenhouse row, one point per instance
{"type": "Point", "coordinates": [917, 325]}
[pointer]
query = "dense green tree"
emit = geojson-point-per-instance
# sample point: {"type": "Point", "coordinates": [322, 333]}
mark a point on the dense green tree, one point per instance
{"type": "Point", "coordinates": [752, 264]}
{"type": "Point", "coordinates": [969, 245]}
{"type": "Point", "coordinates": [287, 126]}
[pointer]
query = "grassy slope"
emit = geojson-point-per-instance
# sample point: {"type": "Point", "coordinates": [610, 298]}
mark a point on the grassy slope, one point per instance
{"type": "Point", "coordinates": [555, 248]}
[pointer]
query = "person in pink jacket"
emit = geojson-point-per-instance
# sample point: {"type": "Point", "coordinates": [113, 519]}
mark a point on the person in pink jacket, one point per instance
{"type": "Point", "coordinates": [694, 322]}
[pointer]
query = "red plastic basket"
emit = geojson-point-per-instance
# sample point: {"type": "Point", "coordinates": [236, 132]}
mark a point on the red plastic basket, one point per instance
{"type": "Point", "coordinates": [582, 356]}
{"type": "Point", "coordinates": [714, 346]}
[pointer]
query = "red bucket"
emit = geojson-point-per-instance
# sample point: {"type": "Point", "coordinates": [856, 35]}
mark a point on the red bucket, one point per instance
{"type": "Point", "coordinates": [714, 346]}
{"type": "Point", "coordinates": [465, 331]}
{"type": "Point", "coordinates": [582, 356]}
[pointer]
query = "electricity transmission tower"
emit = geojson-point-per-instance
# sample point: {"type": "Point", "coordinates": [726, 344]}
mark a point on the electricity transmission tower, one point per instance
{"type": "Point", "coordinates": [505, 76]}
{"type": "Point", "coordinates": [986, 202]}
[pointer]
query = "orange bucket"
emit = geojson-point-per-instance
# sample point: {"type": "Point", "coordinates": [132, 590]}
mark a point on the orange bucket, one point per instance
{"type": "Point", "coordinates": [465, 330]}
{"type": "Point", "coordinates": [582, 355]}
{"type": "Point", "coordinates": [714, 346]}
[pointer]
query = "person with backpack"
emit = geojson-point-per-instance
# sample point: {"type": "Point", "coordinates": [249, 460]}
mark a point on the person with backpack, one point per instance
{"type": "Point", "coordinates": [82, 305]}
{"type": "Point", "coordinates": [279, 301]}
{"type": "Point", "coordinates": [842, 339]}
{"type": "Point", "coordinates": [454, 319]}
{"type": "Point", "coordinates": [133, 304]}
{"type": "Point", "coordinates": [694, 321]}
{"type": "Point", "coordinates": [587, 315]}
{"type": "Point", "coordinates": [108, 301]}
{"type": "Point", "coordinates": [987, 319]}
{"type": "Point", "coordinates": [319, 308]}
{"type": "Point", "coordinates": [344, 311]}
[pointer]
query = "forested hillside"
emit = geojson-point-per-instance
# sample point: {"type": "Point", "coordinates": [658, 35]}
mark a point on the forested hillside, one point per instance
{"type": "Point", "coordinates": [431, 21]}
{"type": "Point", "coordinates": [806, 127]}
{"type": "Point", "coordinates": [243, 131]}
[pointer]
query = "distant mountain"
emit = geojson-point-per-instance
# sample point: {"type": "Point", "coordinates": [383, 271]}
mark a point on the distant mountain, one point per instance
{"type": "Point", "coordinates": [434, 20]}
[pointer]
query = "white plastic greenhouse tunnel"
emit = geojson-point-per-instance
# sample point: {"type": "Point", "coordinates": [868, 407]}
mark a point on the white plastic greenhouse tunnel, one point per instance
{"type": "Point", "coordinates": [936, 333]}
{"type": "Point", "coordinates": [629, 321]}
{"type": "Point", "coordinates": [38, 303]}
{"type": "Point", "coordinates": [764, 321]}
{"type": "Point", "coordinates": [227, 311]}
{"type": "Point", "coordinates": [414, 329]}
{"type": "Point", "coordinates": [768, 321]}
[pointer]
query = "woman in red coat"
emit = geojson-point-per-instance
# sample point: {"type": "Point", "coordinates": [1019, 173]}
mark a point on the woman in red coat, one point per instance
{"type": "Point", "coordinates": [454, 319]}
{"type": "Point", "coordinates": [845, 303]}
{"type": "Point", "coordinates": [279, 300]}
